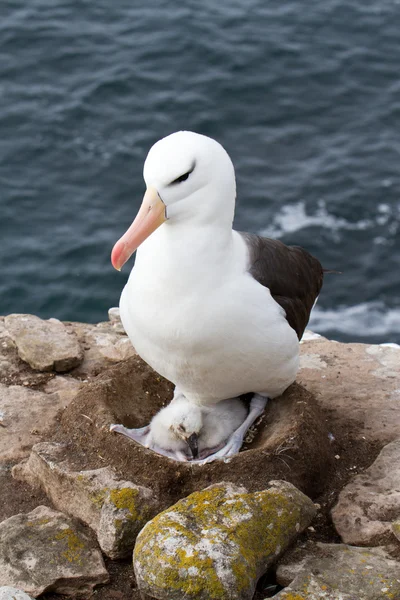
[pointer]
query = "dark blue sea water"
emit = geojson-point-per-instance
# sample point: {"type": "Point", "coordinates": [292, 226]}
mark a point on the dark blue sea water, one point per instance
{"type": "Point", "coordinates": [305, 96]}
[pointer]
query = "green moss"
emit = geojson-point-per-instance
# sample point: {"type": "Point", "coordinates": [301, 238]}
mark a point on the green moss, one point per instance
{"type": "Point", "coordinates": [73, 552]}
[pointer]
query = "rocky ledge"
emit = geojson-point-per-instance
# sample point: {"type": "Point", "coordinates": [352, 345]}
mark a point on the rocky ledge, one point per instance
{"type": "Point", "coordinates": [309, 509]}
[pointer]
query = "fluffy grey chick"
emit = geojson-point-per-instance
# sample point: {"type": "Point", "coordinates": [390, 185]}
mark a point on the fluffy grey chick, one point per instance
{"type": "Point", "coordinates": [185, 431]}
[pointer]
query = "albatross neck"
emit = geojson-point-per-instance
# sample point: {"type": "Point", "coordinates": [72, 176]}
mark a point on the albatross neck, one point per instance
{"type": "Point", "coordinates": [179, 252]}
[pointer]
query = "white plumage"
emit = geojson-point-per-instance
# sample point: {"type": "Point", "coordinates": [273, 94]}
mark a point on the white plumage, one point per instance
{"type": "Point", "coordinates": [191, 307]}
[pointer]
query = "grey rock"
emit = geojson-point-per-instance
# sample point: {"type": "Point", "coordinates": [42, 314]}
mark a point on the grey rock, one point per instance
{"type": "Point", "coordinates": [66, 387]}
{"type": "Point", "coordinates": [25, 415]}
{"type": "Point", "coordinates": [346, 572]}
{"type": "Point", "coordinates": [115, 319]}
{"type": "Point", "coordinates": [356, 383]}
{"type": "Point", "coordinates": [217, 542]}
{"type": "Point", "coordinates": [396, 528]}
{"type": "Point", "coordinates": [369, 504]}
{"type": "Point", "coordinates": [104, 345]}
{"type": "Point", "coordinates": [116, 510]}
{"type": "Point", "coordinates": [10, 593]}
{"type": "Point", "coordinates": [45, 550]}
{"type": "Point", "coordinates": [311, 587]}
{"type": "Point", "coordinates": [44, 345]}
{"type": "Point", "coordinates": [114, 314]}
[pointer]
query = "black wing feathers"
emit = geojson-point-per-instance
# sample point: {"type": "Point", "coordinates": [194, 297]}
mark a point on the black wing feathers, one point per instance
{"type": "Point", "coordinates": [291, 274]}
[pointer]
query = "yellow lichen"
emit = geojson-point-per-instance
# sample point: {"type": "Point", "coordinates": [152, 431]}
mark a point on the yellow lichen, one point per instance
{"type": "Point", "coordinates": [98, 497]}
{"type": "Point", "coordinates": [126, 499]}
{"type": "Point", "coordinates": [43, 521]}
{"type": "Point", "coordinates": [241, 525]}
{"type": "Point", "coordinates": [73, 553]}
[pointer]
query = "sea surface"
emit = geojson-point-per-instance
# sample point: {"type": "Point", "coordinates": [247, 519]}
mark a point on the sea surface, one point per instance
{"type": "Point", "coordinates": [305, 97]}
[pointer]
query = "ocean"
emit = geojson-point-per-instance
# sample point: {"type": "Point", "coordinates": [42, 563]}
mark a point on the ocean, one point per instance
{"type": "Point", "coordinates": [304, 96]}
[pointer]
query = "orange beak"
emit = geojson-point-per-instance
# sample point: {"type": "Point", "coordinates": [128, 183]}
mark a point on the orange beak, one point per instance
{"type": "Point", "coordinates": [151, 215]}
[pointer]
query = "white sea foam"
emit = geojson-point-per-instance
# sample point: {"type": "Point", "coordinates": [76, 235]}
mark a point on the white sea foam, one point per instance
{"type": "Point", "coordinates": [365, 319]}
{"type": "Point", "coordinates": [293, 217]}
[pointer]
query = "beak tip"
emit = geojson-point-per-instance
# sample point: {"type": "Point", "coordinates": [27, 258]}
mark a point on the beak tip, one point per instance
{"type": "Point", "coordinates": [193, 444]}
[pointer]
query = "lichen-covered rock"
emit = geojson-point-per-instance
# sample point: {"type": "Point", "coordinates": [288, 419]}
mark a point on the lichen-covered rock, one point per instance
{"type": "Point", "coordinates": [310, 587]}
{"type": "Point", "coordinates": [343, 571]}
{"type": "Point", "coordinates": [116, 510]}
{"type": "Point", "coordinates": [46, 550]}
{"type": "Point", "coordinates": [44, 345]}
{"type": "Point", "coordinates": [215, 544]}
{"type": "Point", "coordinates": [11, 593]}
{"type": "Point", "coordinates": [369, 504]}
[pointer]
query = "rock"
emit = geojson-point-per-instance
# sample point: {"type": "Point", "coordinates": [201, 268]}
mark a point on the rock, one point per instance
{"type": "Point", "coordinates": [216, 543]}
{"type": "Point", "coordinates": [114, 314]}
{"type": "Point", "coordinates": [44, 345]}
{"type": "Point", "coordinates": [25, 415]}
{"type": "Point", "coordinates": [396, 528]}
{"type": "Point", "coordinates": [371, 501]}
{"type": "Point", "coordinates": [10, 593]}
{"type": "Point", "coordinates": [346, 572]}
{"type": "Point", "coordinates": [310, 587]}
{"type": "Point", "coordinates": [116, 510]}
{"type": "Point", "coordinates": [65, 386]}
{"type": "Point", "coordinates": [8, 354]}
{"type": "Point", "coordinates": [111, 346]}
{"type": "Point", "coordinates": [104, 343]}
{"type": "Point", "coordinates": [115, 319]}
{"type": "Point", "coordinates": [358, 384]}
{"type": "Point", "coordinates": [44, 550]}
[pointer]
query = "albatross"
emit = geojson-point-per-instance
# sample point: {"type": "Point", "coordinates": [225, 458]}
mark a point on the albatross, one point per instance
{"type": "Point", "coordinates": [217, 312]}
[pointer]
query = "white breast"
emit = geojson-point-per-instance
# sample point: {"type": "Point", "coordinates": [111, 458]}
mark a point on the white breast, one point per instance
{"type": "Point", "coordinates": [216, 333]}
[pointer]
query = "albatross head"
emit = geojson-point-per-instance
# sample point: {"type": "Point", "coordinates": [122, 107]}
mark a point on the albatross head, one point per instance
{"type": "Point", "coordinates": [190, 179]}
{"type": "Point", "coordinates": [177, 427]}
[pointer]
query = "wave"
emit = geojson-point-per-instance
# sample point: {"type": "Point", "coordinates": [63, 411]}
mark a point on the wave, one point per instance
{"type": "Point", "coordinates": [365, 319]}
{"type": "Point", "coordinates": [294, 217]}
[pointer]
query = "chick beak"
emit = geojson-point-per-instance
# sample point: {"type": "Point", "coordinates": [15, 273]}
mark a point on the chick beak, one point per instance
{"type": "Point", "coordinates": [193, 443]}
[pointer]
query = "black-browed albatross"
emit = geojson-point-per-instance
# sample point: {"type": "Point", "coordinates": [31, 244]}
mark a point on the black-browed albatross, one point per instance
{"type": "Point", "coordinates": [217, 312]}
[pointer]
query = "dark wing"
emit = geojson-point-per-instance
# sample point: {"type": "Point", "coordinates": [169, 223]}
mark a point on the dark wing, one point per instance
{"type": "Point", "coordinates": [291, 274]}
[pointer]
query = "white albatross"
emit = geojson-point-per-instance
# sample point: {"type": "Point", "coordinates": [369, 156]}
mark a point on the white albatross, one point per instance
{"type": "Point", "coordinates": [217, 312]}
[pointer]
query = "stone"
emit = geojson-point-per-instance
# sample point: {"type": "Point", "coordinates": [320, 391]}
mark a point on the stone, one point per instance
{"type": "Point", "coordinates": [45, 550]}
{"type": "Point", "coordinates": [44, 345]}
{"type": "Point", "coordinates": [116, 510]}
{"type": "Point", "coordinates": [105, 344]}
{"type": "Point", "coordinates": [114, 314]}
{"type": "Point", "coordinates": [66, 387]}
{"type": "Point", "coordinates": [357, 384]}
{"type": "Point", "coordinates": [25, 414]}
{"type": "Point", "coordinates": [396, 528]}
{"type": "Point", "coordinates": [343, 571]}
{"type": "Point", "coordinates": [310, 587]}
{"type": "Point", "coordinates": [115, 319]}
{"type": "Point", "coordinates": [10, 593]}
{"type": "Point", "coordinates": [369, 504]}
{"type": "Point", "coordinates": [216, 543]}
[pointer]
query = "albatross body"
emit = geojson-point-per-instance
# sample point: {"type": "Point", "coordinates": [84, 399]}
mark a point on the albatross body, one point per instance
{"type": "Point", "coordinates": [199, 318]}
{"type": "Point", "coordinates": [217, 312]}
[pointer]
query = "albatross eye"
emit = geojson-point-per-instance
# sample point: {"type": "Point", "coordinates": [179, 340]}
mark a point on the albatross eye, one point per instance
{"type": "Point", "coordinates": [182, 177]}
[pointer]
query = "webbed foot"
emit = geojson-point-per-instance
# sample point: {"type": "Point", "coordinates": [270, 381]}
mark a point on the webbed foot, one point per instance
{"type": "Point", "coordinates": [235, 441]}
